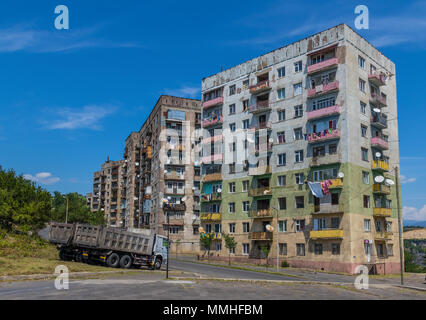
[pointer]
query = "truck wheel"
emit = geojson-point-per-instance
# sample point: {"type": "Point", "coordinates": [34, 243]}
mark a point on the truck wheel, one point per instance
{"type": "Point", "coordinates": [62, 255]}
{"type": "Point", "coordinates": [157, 264]}
{"type": "Point", "coordinates": [125, 262]}
{"type": "Point", "coordinates": [113, 260]}
{"type": "Point", "coordinates": [78, 257]}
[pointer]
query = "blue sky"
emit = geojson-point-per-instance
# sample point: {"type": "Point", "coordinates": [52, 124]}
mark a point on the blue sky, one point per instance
{"type": "Point", "coordinates": [70, 98]}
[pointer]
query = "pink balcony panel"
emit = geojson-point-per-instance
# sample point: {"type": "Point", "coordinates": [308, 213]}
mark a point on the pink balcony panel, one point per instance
{"type": "Point", "coordinates": [323, 135]}
{"type": "Point", "coordinates": [213, 102]}
{"type": "Point", "coordinates": [323, 112]}
{"type": "Point", "coordinates": [323, 65]}
{"type": "Point", "coordinates": [379, 142]}
{"type": "Point", "coordinates": [323, 88]}
{"type": "Point", "coordinates": [212, 139]}
{"type": "Point", "coordinates": [378, 79]}
{"type": "Point", "coordinates": [261, 86]}
{"type": "Point", "coordinates": [212, 121]}
{"type": "Point", "coordinates": [378, 99]}
{"type": "Point", "coordinates": [213, 158]}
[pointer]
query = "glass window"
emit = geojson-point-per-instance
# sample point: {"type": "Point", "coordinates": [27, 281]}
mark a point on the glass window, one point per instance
{"type": "Point", "coordinates": [281, 115]}
{"type": "Point", "coordinates": [282, 202]}
{"type": "Point", "coordinates": [281, 137]}
{"type": "Point", "coordinates": [300, 249]}
{"type": "Point", "coordinates": [231, 206]}
{"type": "Point", "coordinates": [298, 66]}
{"type": "Point", "coordinates": [300, 202]}
{"type": "Point", "coordinates": [232, 90]}
{"type": "Point", "coordinates": [298, 156]}
{"type": "Point", "coordinates": [281, 159]}
{"type": "Point", "coordinates": [366, 177]}
{"type": "Point", "coordinates": [282, 226]}
{"type": "Point", "coordinates": [281, 93]}
{"type": "Point", "coordinates": [283, 249]}
{"type": "Point", "coordinates": [298, 89]}
{"type": "Point", "coordinates": [281, 72]}
{"type": "Point", "coordinates": [281, 180]}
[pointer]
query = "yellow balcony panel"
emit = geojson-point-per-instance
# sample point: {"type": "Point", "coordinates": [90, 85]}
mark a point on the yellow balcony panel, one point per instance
{"type": "Point", "coordinates": [212, 177]}
{"type": "Point", "coordinates": [383, 236]}
{"type": "Point", "coordinates": [379, 165]}
{"type": "Point", "coordinates": [336, 183]}
{"type": "Point", "coordinates": [267, 236]}
{"type": "Point", "coordinates": [382, 212]}
{"type": "Point", "coordinates": [326, 234]}
{"type": "Point", "coordinates": [258, 192]}
{"type": "Point", "coordinates": [261, 213]}
{"type": "Point", "coordinates": [210, 216]}
{"type": "Point", "coordinates": [381, 189]}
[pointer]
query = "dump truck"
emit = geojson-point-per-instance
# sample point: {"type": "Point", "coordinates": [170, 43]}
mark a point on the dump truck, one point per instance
{"type": "Point", "coordinates": [113, 247]}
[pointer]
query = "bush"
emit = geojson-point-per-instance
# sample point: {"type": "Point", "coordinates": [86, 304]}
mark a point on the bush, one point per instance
{"type": "Point", "coordinates": [284, 264]}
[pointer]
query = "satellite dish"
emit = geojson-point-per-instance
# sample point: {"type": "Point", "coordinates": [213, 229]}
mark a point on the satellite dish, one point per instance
{"type": "Point", "coordinates": [377, 110]}
{"type": "Point", "coordinates": [169, 198]}
{"type": "Point", "coordinates": [379, 179]}
{"type": "Point", "coordinates": [271, 140]}
{"type": "Point", "coordinates": [219, 190]}
{"type": "Point", "coordinates": [378, 154]}
{"type": "Point", "coordinates": [389, 182]}
{"type": "Point", "coordinates": [269, 228]}
{"type": "Point", "coordinates": [183, 199]}
{"type": "Point", "coordinates": [341, 175]}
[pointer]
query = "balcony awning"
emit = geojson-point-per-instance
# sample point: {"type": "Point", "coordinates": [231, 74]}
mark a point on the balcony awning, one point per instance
{"type": "Point", "coordinates": [322, 49]}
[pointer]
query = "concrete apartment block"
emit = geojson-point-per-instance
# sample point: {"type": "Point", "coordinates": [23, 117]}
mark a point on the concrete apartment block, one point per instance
{"type": "Point", "coordinates": [320, 109]}
{"type": "Point", "coordinates": [107, 192]}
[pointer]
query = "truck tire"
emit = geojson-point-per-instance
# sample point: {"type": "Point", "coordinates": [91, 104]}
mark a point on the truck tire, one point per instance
{"type": "Point", "coordinates": [78, 257]}
{"type": "Point", "coordinates": [157, 264]}
{"type": "Point", "coordinates": [126, 262]}
{"type": "Point", "coordinates": [62, 255]}
{"type": "Point", "coordinates": [113, 260]}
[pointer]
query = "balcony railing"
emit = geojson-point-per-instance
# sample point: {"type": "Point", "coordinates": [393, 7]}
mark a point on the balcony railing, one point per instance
{"type": "Point", "coordinates": [267, 236]}
{"type": "Point", "coordinates": [323, 89]}
{"type": "Point", "coordinates": [325, 135]}
{"type": "Point", "coordinates": [210, 216]}
{"type": "Point", "coordinates": [174, 176]}
{"type": "Point", "coordinates": [326, 159]}
{"type": "Point", "coordinates": [325, 208]}
{"type": "Point", "coordinates": [260, 87]}
{"type": "Point", "coordinates": [217, 138]}
{"type": "Point", "coordinates": [261, 125]}
{"type": "Point", "coordinates": [257, 192]}
{"type": "Point", "coordinates": [379, 120]}
{"type": "Point", "coordinates": [379, 165]}
{"type": "Point", "coordinates": [378, 142]}
{"type": "Point", "coordinates": [378, 100]}
{"type": "Point", "coordinates": [175, 222]}
{"type": "Point", "coordinates": [381, 189]}
{"type": "Point", "coordinates": [211, 197]}
{"type": "Point", "coordinates": [263, 147]}
{"type": "Point", "coordinates": [260, 213]}
{"type": "Point", "coordinates": [324, 112]}
{"type": "Point", "coordinates": [383, 235]}
{"type": "Point", "coordinates": [260, 106]}
{"type": "Point", "coordinates": [382, 212]}
{"type": "Point", "coordinates": [257, 171]}
{"type": "Point", "coordinates": [326, 234]}
{"type": "Point", "coordinates": [174, 191]}
{"type": "Point", "coordinates": [213, 102]}
{"type": "Point", "coordinates": [214, 158]}
{"type": "Point", "coordinates": [174, 207]}
{"type": "Point", "coordinates": [212, 121]}
{"type": "Point", "coordinates": [323, 65]}
{"type": "Point", "coordinates": [378, 79]}
{"type": "Point", "coordinates": [212, 177]}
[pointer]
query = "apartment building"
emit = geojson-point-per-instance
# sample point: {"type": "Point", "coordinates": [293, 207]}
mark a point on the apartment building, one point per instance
{"type": "Point", "coordinates": [107, 192]}
{"type": "Point", "coordinates": [322, 109]}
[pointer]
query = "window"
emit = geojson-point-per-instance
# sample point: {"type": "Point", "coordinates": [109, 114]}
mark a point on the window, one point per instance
{"type": "Point", "coordinates": [332, 149]}
{"type": "Point", "coordinates": [365, 177]}
{"type": "Point", "coordinates": [245, 185]}
{"type": "Point", "coordinates": [231, 187]}
{"type": "Point", "coordinates": [232, 169]}
{"type": "Point", "coordinates": [281, 137]}
{"type": "Point", "coordinates": [298, 66]}
{"type": "Point", "coordinates": [231, 250]}
{"type": "Point", "coordinates": [246, 206]}
{"type": "Point", "coordinates": [366, 201]}
{"type": "Point", "coordinates": [283, 249]}
{"type": "Point", "coordinates": [335, 248]}
{"type": "Point", "coordinates": [281, 72]}
{"type": "Point", "coordinates": [298, 156]}
{"type": "Point", "coordinates": [282, 203]}
{"type": "Point", "coordinates": [246, 227]}
{"type": "Point", "coordinates": [281, 115]}
{"type": "Point", "coordinates": [232, 127]}
{"type": "Point", "coordinates": [361, 62]}
{"type": "Point", "coordinates": [299, 178]}
{"type": "Point", "coordinates": [232, 228]}
{"type": "Point", "coordinates": [318, 151]}
{"type": "Point", "coordinates": [335, 222]}
{"type": "Point", "coordinates": [232, 90]}
{"type": "Point", "coordinates": [334, 198]}
{"type": "Point", "coordinates": [246, 124]}
{"type": "Point", "coordinates": [298, 134]}
{"type": "Point", "coordinates": [364, 154]}
{"type": "Point", "coordinates": [300, 202]}
{"type": "Point", "coordinates": [231, 207]}
{"type": "Point", "coordinates": [367, 225]}
{"type": "Point", "coordinates": [318, 248]}
{"type": "Point", "coordinates": [281, 181]}
{"type": "Point", "coordinates": [298, 111]}
{"type": "Point", "coordinates": [232, 108]}
{"type": "Point", "coordinates": [246, 248]}
{"type": "Point", "coordinates": [363, 131]}
{"type": "Point", "coordinates": [245, 105]}
{"type": "Point", "coordinates": [363, 107]}
{"type": "Point", "coordinates": [218, 246]}
{"type": "Point", "coordinates": [195, 230]}
{"type": "Point", "coordinates": [208, 228]}
{"type": "Point", "coordinates": [323, 103]}
{"type": "Point", "coordinates": [300, 247]}
{"type": "Point", "coordinates": [389, 226]}
{"type": "Point", "coordinates": [362, 85]}
{"type": "Point", "coordinates": [367, 249]}
{"type": "Point", "coordinates": [298, 89]}
{"type": "Point", "coordinates": [281, 159]}
{"type": "Point", "coordinates": [282, 226]}
{"type": "Point", "coordinates": [390, 249]}
{"type": "Point", "coordinates": [300, 225]}
{"type": "Point", "coordinates": [281, 93]}
{"type": "Point", "coordinates": [380, 249]}
{"type": "Point", "coordinates": [246, 84]}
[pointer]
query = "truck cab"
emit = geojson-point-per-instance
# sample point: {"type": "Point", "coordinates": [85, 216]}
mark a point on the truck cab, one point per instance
{"type": "Point", "coordinates": [160, 251]}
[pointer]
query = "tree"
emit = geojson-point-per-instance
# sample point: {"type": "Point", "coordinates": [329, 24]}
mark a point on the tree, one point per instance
{"type": "Point", "coordinates": [230, 243]}
{"type": "Point", "coordinates": [206, 240]}
{"type": "Point", "coordinates": [265, 249]}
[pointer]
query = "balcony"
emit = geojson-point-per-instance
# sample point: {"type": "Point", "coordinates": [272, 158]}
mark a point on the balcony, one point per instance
{"type": "Point", "coordinates": [261, 213]}
{"type": "Point", "coordinates": [326, 234]}
{"type": "Point", "coordinates": [383, 236]}
{"type": "Point", "coordinates": [261, 148]}
{"type": "Point", "coordinates": [261, 125]}
{"type": "Point", "coordinates": [206, 197]}
{"type": "Point", "coordinates": [323, 65]}
{"type": "Point", "coordinates": [261, 170]}
{"type": "Point", "coordinates": [377, 79]}
{"type": "Point", "coordinates": [260, 106]}
{"type": "Point", "coordinates": [378, 100]}
{"type": "Point", "coordinates": [379, 143]}
{"type": "Point", "coordinates": [379, 121]}
{"type": "Point", "coordinates": [212, 159]}
{"type": "Point", "coordinates": [323, 89]}
{"type": "Point", "coordinates": [267, 236]}
{"type": "Point", "coordinates": [382, 212]}
{"type": "Point", "coordinates": [196, 207]}
{"type": "Point", "coordinates": [213, 139]}
{"type": "Point", "coordinates": [381, 189]}
{"type": "Point", "coordinates": [213, 102]}
{"type": "Point", "coordinates": [260, 87]}
{"type": "Point", "coordinates": [326, 208]}
{"type": "Point", "coordinates": [211, 216]}
{"type": "Point", "coordinates": [336, 183]}
{"type": "Point", "coordinates": [258, 192]}
{"type": "Point", "coordinates": [212, 121]}
{"type": "Point", "coordinates": [175, 222]}
{"type": "Point", "coordinates": [324, 112]}
{"type": "Point", "coordinates": [174, 191]}
{"type": "Point", "coordinates": [210, 177]}
{"type": "Point", "coordinates": [173, 176]}
{"type": "Point", "coordinates": [216, 235]}
{"type": "Point", "coordinates": [323, 136]}
{"type": "Point", "coordinates": [323, 160]}
{"type": "Point", "coordinates": [379, 165]}
{"type": "Point", "coordinates": [174, 207]}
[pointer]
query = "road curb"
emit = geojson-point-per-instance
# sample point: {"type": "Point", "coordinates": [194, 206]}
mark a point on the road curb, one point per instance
{"type": "Point", "coordinates": [411, 287]}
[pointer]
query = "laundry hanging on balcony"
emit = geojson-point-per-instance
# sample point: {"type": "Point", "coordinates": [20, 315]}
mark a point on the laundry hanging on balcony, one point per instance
{"type": "Point", "coordinates": [316, 189]}
{"type": "Point", "coordinates": [325, 185]}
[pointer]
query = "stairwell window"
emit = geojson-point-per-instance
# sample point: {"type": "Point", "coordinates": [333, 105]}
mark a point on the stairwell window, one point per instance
{"type": "Point", "coordinates": [367, 225]}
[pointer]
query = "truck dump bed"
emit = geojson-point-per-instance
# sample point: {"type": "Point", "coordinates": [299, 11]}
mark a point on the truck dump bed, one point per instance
{"type": "Point", "coordinates": [61, 233]}
{"type": "Point", "coordinates": [121, 240]}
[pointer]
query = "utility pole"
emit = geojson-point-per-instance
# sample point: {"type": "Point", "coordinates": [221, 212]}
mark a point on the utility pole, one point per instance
{"type": "Point", "coordinates": [168, 239]}
{"type": "Point", "coordinates": [66, 213]}
{"type": "Point", "coordinates": [401, 251]}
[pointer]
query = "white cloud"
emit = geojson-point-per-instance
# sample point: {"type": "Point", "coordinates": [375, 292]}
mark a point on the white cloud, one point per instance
{"type": "Point", "coordinates": [88, 117]}
{"type": "Point", "coordinates": [42, 178]}
{"type": "Point", "coordinates": [404, 179]}
{"type": "Point", "coordinates": [185, 91]}
{"type": "Point", "coordinates": [411, 213]}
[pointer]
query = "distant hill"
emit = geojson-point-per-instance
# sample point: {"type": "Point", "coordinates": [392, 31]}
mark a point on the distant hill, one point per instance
{"type": "Point", "coordinates": [414, 223]}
